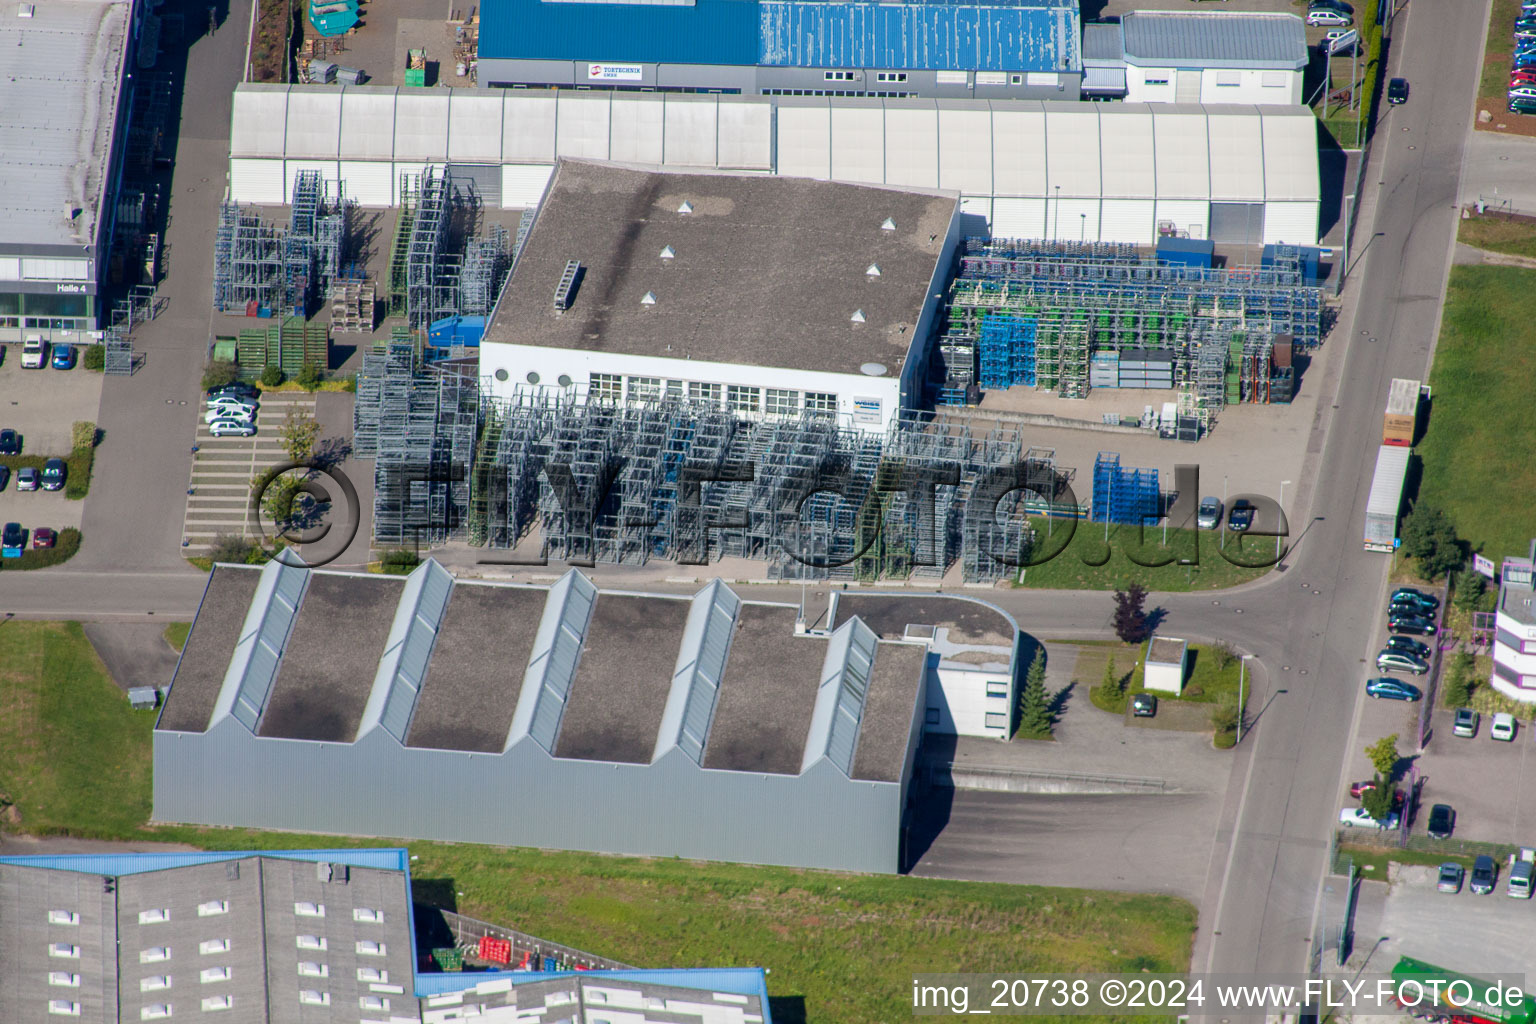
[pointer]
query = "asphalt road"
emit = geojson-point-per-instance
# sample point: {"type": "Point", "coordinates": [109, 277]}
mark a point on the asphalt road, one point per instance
{"type": "Point", "coordinates": [1309, 626]}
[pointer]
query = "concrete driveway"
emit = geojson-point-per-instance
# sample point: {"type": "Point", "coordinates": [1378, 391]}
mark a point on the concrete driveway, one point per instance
{"type": "Point", "coordinates": [1478, 935]}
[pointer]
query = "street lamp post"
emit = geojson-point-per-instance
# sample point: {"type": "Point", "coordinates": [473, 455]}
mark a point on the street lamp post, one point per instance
{"type": "Point", "coordinates": [1056, 217]}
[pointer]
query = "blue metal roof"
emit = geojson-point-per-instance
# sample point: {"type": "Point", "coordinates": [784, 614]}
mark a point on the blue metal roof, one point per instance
{"type": "Point", "coordinates": [741, 981]}
{"type": "Point", "coordinates": [1009, 35]}
{"type": "Point", "coordinates": [117, 865]}
{"type": "Point", "coordinates": [934, 36]}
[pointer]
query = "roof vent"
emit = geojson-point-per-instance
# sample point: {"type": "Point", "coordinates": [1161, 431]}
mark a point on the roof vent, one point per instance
{"type": "Point", "coordinates": [873, 369]}
{"type": "Point", "coordinates": [873, 270]}
{"type": "Point", "coordinates": [889, 225]}
{"type": "Point", "coordinates": [668, 253]}
{"type": "Point", "coordinates": [858, 316]}
{"type": "Point", "coordinates": [649, 299]}
{"type": "Point", "coordinates": [687, 207]}
{"type": "Point", "coordinates": [25, 10]}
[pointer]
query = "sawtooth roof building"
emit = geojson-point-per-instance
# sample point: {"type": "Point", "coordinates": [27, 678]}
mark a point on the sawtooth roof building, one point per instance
{"type": "Point", "coordinates": [972, 49]}
{"type": "Point", "coordinates": [288, 937]}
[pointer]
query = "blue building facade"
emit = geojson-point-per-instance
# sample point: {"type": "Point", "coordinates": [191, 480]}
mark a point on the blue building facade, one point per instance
{"type": "Point", "coordinates": [1025, 49]}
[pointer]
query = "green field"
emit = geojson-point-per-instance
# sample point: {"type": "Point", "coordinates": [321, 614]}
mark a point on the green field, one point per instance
{"type": "Point", "coordinates": [1084, 561]}
{"type": "Point", "coordinates": [1479, 449]}
{"type": "Point", "coordinates": [840, 947]}
{"type": "Point", "coordinates": [176, 634]}
{"type": "Point", "coordinates": [1513, 235]}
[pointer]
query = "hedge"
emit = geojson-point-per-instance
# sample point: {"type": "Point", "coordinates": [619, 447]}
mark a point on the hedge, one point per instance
{"type": "Point", "coordinates": [63, 550]}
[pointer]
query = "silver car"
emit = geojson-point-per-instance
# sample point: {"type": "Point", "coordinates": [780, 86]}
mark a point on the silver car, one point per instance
{"type": "Point", "coordinates": [1451, 875]}
{"type": "Point", "coordinates": [1209, 516]}
{"type": "Point", "coordinates": [1397, 661]}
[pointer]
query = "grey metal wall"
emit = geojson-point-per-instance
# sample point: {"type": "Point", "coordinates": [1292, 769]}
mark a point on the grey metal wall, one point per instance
{"type": "Point", "coordinates": [525, 797]}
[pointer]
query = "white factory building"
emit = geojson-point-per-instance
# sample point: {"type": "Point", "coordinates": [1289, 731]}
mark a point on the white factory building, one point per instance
{"type": "Point", "coordinates": [1514, 643]}
{"type": "Point", "coordinates": [1122, 172]}
{"type": "Point", "coordinates": [1197, 57]}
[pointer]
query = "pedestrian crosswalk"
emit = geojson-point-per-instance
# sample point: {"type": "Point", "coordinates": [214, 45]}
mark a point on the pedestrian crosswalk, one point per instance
{"type": "Point", "coordinates": [219, 491]}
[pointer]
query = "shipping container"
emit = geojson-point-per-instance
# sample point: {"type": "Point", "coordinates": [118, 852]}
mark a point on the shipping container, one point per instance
{"type": "Point", "coordinates": [1386, 498]}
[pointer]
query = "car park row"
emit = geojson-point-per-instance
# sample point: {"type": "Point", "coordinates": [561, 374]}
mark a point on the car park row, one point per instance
{"type": "Point", "coordinates": [1522, 71]}
{"type": "Point", "coordinates": [231, 411]}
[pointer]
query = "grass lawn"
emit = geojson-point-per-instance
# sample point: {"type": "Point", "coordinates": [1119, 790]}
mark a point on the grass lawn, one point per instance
{"type": "Point", "coordinates": [1206, 684]}
{"type": "Point", "coordinates": [74, 757]}
{"type": "Point", "coordinates": [1080, 559]}
{"type": "Point", "coordinates": [1479, 450]}
{"type": "Point", "coordinates": [1499, 233]}
{"type": "Point", "coordinates": [176, 634]}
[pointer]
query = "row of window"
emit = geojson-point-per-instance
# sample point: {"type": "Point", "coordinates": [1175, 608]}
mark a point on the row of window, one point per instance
{"type": "Point", "coordinates": [367, 915]}
{"type": "Point", "coordinates": [209, 976]}
{"type": "Point", "coordinates": [994, 719]}
{"type": "Point", "coordinates": [735, 397]}
{"type": "Point", "coordinates": [364, 947]}
{"type": "Point", "coordinates": [853, 76]}
{"type": "Point", "coordinates": [155, 1011]}
{"type": "Point", "coordinates": [313, 998]}
{"type": "Point", "coordinates": [370, 975]}
{"type": "Point", "coordinates": [837, 92]}
{"type": "Point", "coordinates": [1232, 79]}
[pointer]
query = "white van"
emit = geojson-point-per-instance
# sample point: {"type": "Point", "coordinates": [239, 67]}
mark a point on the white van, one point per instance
{"type": "Point", "coordinates": [32, 353]}
{"type": "Point", "coordinates": [1521, 872]}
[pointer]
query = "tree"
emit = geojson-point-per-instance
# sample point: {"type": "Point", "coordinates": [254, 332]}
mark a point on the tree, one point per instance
{"type": "Point", "coordinates": [1458, 679]}
{"type": "Point", "coordinates": [272, 376]}
{"type": "Point", "coordinates": [1429, 537]}
{"type": "Point", "coordinates": [95, 357]}
{"type": "Point", "coordinates": [1222, 654]}
{"type": "Point", "coordinates": [220, 372]}
{"type": "Point", "coordinates": [229, 547]}
{"type": "Point", "coordinates": [1034, 705]}
{"type": "Point", "coordinates": [1112, 683]}
{"type": "Point", "coordinates": [277, 497]}
{"type": "Point", "coordinates": [1130, 613]}
{"type": "Point", "coordinates": [1377, 801]}
{"type": "Point", "coordinates": [1470, 587]}
{"type": "Point", "coordinates": [1384, 756]}
{"type": "Point", "coordinates": [309, 377]}
{"type": "Point", "coordinates": [300, 430]}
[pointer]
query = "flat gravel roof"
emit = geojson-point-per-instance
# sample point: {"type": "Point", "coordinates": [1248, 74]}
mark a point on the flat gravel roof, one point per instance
{"type": "Point", "coordinates": [767, 694]}
{"type": "Point", "coordinates": [889, 705]}
{"type": "Point", "coordinates": [210, 645]}
{"type": "Point", "coordinates": [968, 622]}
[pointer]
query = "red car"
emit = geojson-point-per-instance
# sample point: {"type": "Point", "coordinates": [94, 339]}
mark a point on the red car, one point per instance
{"type": "Point", "coordinates": [1356, 789]}
{"type": "Point", "coordinates": [1522, 77]}
{"type": "Point", "coordinates": [42, 537]}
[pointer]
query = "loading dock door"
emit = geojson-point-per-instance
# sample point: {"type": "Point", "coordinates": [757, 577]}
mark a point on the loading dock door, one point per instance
{"type": "Point", "coordinates": [1237, 223]}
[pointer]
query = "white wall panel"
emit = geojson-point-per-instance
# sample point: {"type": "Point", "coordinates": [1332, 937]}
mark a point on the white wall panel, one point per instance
{"type": "Point", "coordinates": [691, 133]}
{"type": "Point", "coordinates": [256, 181]}
{"type": "Point", "coordinates": [528, 125]}
{"type": "Point", "coordinates": [1129, 169]}
{"type": "Point", "coordinates": [636, 129]}
{"type": "Point", "coordinates": [1237, 156]}
{"type": "Point", "coordinates": [367, 125]}
{"type": "Point", "coordinates": [977, 206]}
{"type": "Point", "coordinates": [1290, 157]}
{"type": "Point", "coordinates": [1295, 223]}
{"type": "Point", "coordinates": [1128, 220]}
{"type": "Point", "coordinates": [582, 126]}
{"type": "Point", "coordinates": [1078, 220]}
{"type": "Point", "coordinates": [1072, 150]}
{"type": "Point", "coordinates": [421, 126]}
{"type": "Point", "coordinates": [965, 150]}
{"type": "Point", "coordinates": [1018, 218]}
{"type": "Point", "coordinates": [804, 144]}
{"type": "Point", "coordinates": [912, 146]}
{"type": "Point", "coordinates": [1182, 158]}
{"type": "Point", "coordinates": [858, 144]}
{"type": "Point", "coordinates": [1018, 152]}
{"type": "Point", "coordinates": [368, 181]}
{"type": "Point", "coordinates": [522, 185]}
{"type": "Point", "coordinates": [746, 136]}
{"type": "Point", "coordinates": [474, 127]}
{"type": "Point", "coordinates": [1186, 215]}
{"type": "Point", "coordinates": [258, 121]}
{"type": "Point", "coordinates": [314, 125]}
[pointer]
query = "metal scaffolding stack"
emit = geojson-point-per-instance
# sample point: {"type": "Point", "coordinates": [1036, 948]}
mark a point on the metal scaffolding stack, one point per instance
{"type": "Point", "coordinates": [428, 269]}
{"type": "Point", "coordinates": [1045, 310]}
{"type": "Point", "coordinates": [485, 268]}
{"type": "Point", "coordinates": [259, 267]}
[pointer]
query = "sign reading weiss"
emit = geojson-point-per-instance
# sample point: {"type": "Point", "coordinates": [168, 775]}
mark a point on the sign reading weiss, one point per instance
{"type": "Point", "coordinates": [614, 72]}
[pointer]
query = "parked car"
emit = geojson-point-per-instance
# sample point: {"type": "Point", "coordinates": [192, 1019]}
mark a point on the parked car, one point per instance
{"type": "Point", "coordinates": [1331, 5]}
{"type": "Point", "coordinates": [1359, 789]}
{"type": "Point", "coordinates": [32, 352]}
{"type": "Point", "coordinates": [26, 479]}
{"type": "Point", "coordinates": [1350, 817]}
{"type": "Point", "coordinates": [1396, 661]}
{"type": "Point", "coordinates": [231, 400]}
{"type": "Point", "coordinates": [43, 537]}
{"type": "Point", "coordinates": [1403, 645]}
{"type": "Point", "coordinates": [1209, 516]}
{"type": "Point", "coordinates": [1241, 516]}
{"type": "Point", "coordinates": [12, 540]}
{"type": "Point", "coordinates": [236, 390]}
{"type": "Point", "coordinates": [1415, 625]}
{"type": "Point", "coordinates": [1144, 705]}
{"type": "Point", "coordinates": [228, 427]}
{"type": "Point", "coordinates": [1392, 689]}
{"type": "Point", "coordinates": [1464, 723]}
{"type": "Point", "coordinates": [1522, 106]}
{"type": "Point", "coordinates": [1484, 874]}
{"type": "Point", "coordinates": [1409, 595]}
{"type": "Point", "coordinates": [54, 473]}
{"type": "Point", "coordinates": [5, 476]}
{"type": "Point", "coordinates": [1523, 92]}
{"type": "Point", "coordinates": [1502, 727]}
{"type": "Point", "coordinates": [1442, 821]}
{"type": "Point", "coordinates": [63, 357]}
{"type": "Point", "coordinates": [10, 442]}
{"type": "Point", "coordinates": [1522, 875]}
{"type": "Point", "coordinates": [242, 413]}
{"type": "Point", "coordinates": [1523, 76]}
{"type": "Point", "coordinates": [1397, 90]}
{"type": "Point", "coordinates": [1451, 875]}
{"type": "Point", "coordinates": [1325, 16]}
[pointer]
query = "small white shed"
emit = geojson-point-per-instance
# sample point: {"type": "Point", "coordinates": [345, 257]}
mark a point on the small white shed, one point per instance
{"type": "Point", "coordinates": [143, 698]}
{"type": "Point", "coordinates": [1167, 664]}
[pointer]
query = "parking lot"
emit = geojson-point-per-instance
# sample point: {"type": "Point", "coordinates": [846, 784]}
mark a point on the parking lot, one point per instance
{"type": "Point", "coordinates": [1462, 932]}
{"type": "Point", "coordinates": [42, 405]}
{"type": "Point", "coordinates": [1142, 842]}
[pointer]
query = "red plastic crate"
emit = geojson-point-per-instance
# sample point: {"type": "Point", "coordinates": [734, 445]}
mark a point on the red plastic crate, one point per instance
{"type": "Point", "coordinates": [497, 951]}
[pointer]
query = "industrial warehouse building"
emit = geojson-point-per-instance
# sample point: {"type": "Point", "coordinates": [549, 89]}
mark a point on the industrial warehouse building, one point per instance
{"type": "Point", "coordinates": [759, 295]}
{"type": "Point", "coordinates": [967, 50]}
{"type": "Point", "coordinates": [62, 108]}
{"type": "Point", "coordinates": [1197, 57]}
{"type": "Point", "coordinates": [284, 937]}
{"type": "Point", "coordinates": [705, 727]}
{"type": "Point", "coordinates": [1093, 172]}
